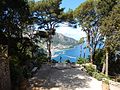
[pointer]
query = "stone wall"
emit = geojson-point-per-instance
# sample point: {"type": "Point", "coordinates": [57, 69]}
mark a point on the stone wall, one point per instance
{"type": "Point", "coordinates": [4, 69]}
{"type": "Point", "coordinates": [4, 75]}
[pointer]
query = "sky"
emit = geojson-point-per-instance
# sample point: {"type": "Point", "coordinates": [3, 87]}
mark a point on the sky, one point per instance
{"type": "Point", "coordinates": [75, 33]}
{"type": "Point", "coordinates": [71, 4]}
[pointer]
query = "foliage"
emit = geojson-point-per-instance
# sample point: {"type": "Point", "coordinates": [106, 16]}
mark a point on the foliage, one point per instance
{"type": "Point", "coordinates": [114, 64]}
{"type": "Point", "coordinates": [67, 61]}
{"type": "Point", "coordinates": [99, 58]}
{"type": "Point", "coordinates": [99, 76]}
{"type": "Point", "coordinates": [90, 69]}
{"type": "Point", "coordinates": [110, 26]}
{"type": "Point", "coordinates": [87, 17]}
{"type": "Point", "coordinates": [47, 14]}
{"type": "Point", "coordinates": [41, 59]}
{"type": "Point", "coordinates": [100, 20]}
{"type": "Point", "coordinates": [14, 16]}
{"type": "Point", "coordinates": [69, 17]}
{"type": "Point", "coordinates": [15, 22]}
{"type": "Point", "coordinates": [54, 61]}
{"type": "Point", "coordinates": [81, 60]}
{"type": "Point", "coordinates": [12, 21]}
{"type": "Point", "coordinates": [106, 81]}
{"type": "Point", "coordinates": [81, 41]}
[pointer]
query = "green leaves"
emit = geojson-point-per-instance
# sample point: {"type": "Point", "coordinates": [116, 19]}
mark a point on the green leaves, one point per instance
{"type": "Point", "coordinates": [110, 26]}
{"type": "Point", "coordinates": [81, 41]}
{"type": "Point", "coordinates": [47, 13]}
{"type": "Point", "coordinates": [88, 18]}
{"type": "Point", "coordinates": [85, 12]}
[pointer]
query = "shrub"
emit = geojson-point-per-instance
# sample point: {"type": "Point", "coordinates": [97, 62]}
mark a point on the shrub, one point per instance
{"type": "Point", "coordinates": [106, 81]}
{"type": "Point", "coordinates": [99, 58]}
{"type": "Point", "coordinates": [99, 76]}
{"type": "Point", "coordinates": [67, 61]}
{"type": "Point", "coordinates": [90, 69]}
{"type": "Point", "coordinates": [54, 61]}
{"type": "Point", "coordinates": [81, 60]}
{"type": "Point", "coordinates": [41, 59]}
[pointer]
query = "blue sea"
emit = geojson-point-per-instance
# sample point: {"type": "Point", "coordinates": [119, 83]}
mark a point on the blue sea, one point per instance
{"type": "Point", "coordinates": [71, 54]}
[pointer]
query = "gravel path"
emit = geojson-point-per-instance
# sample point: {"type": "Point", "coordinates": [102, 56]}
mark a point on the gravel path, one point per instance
{"type": "Point", "coordinates": [49, 78]}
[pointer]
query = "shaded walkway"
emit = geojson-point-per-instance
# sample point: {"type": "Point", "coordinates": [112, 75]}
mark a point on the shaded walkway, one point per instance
{"type": "Point", "coordinates": [64, 79]}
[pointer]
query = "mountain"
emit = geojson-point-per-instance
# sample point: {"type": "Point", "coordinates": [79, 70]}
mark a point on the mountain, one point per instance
{"type": "Point", "coordinates": [60, 41]}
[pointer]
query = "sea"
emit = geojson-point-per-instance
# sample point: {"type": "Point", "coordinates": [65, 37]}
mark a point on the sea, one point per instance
{"type": "Point", "coordinates": [71, 54]}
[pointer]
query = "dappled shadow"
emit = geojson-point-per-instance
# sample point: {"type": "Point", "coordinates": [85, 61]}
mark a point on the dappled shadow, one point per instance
{"type": "Point", "coordinates": [66, 78]}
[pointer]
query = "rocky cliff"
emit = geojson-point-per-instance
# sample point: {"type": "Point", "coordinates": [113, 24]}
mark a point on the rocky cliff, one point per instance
{"type": "Point", "coordinates": [60, 41]}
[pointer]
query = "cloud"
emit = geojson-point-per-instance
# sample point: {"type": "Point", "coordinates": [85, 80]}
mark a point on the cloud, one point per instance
{"type": "Point", "coordinates": [75, 33]}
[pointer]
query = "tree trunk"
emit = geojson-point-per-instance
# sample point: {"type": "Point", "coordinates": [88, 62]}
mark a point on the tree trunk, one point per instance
{"type": "Point", "coordinates": [103, 68]}
{"type": "Point", "coordinates": [91, 55]}
{"type": "Point", "coordinates": [49, 49]}
{"type": "Point", "coordinates": [106, 61]}
{"type": "Point", "coordinates": [32, 54]}
{"type": "Point", "coordinates": [81, 51]}
{"type": "Point", "coordinates": [90, 48]}
{"type": "Point", "coordinates": [5, 83]}
{"type": "Point", "coordinates": [84, 52]}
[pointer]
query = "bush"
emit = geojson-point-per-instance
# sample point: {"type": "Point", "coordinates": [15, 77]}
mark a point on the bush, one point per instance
{"type": "Point", "coordinates": [99, 58]}
{"type": "Point", "coordinates": [106, 81]}
{"type": "Point", "coordinates": [81, 60]}
{"type": "Point", "coordinates": [99, 76]}
{"type": "Point", "coordinates": [90, 69]}
{"type": "Point", "coordinates": [54, 61]}
{"type": "Point", "coordinates": [41, 59]}
{"type": "Point", "coordinates": [67, 61]}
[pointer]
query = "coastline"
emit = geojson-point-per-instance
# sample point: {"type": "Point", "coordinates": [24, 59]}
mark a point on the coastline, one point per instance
{"type": "Point", "coordinates": [54, 50]}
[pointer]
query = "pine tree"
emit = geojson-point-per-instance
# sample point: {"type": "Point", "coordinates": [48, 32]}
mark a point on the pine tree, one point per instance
{"type": "Point", "coordinates": [48, 14]}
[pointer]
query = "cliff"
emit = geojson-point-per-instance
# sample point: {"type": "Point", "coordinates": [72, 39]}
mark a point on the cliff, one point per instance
{"type": "Point", "coordinates": [60, 41]}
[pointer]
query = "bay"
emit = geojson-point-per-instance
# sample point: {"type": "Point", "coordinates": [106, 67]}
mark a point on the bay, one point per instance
{"type": "Point", "coordinates": [71, 54]}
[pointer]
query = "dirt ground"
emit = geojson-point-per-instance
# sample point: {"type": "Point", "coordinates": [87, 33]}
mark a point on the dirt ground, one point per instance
{"type": "Point", "coordinates": [65, 78]}
{"type": "Point", "coordinates": [49, 78]}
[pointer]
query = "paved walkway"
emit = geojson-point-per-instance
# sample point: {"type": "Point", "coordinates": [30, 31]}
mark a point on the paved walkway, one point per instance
{"type": "Point", "coordinates": [49, 78]}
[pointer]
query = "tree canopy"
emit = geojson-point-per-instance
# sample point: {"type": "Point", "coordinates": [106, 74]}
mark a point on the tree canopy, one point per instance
{"type": "Point", "coordinates": [47, 14]}
{"type": "Point", "coordinates": [87, 17]}
{"type": "Point", "coordinates": [110, 27]}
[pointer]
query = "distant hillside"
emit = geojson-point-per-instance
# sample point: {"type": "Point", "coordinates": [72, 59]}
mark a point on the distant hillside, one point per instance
{"type": "Point", "coordinates": [61, 41]}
